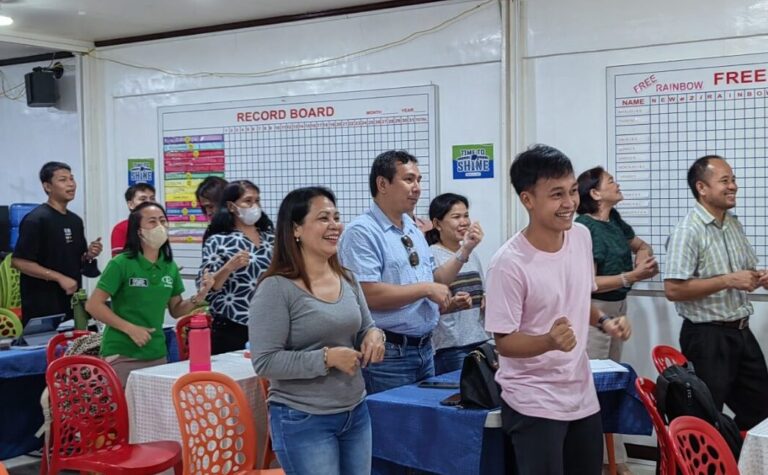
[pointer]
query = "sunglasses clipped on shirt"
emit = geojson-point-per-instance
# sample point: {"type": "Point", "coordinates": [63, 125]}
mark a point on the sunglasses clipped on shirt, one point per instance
{"type": "Point", "coordinates": [413, 256]}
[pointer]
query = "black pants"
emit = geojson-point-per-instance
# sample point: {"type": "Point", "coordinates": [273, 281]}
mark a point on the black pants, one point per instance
{"type": "Point", "coordinates": [549, 447]}
{"type": "Point", "coordinates": [227, 335]}
{"type": "Point", "coordinates": [732, 365]}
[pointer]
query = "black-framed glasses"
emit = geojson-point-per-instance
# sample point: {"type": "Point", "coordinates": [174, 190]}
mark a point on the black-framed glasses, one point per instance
{"type": "Point", "coordinates": [413, 256]}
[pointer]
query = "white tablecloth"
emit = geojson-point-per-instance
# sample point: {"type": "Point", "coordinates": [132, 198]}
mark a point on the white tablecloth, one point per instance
{"type": "Point", "coordinates": [754, 454]}
{"type": "Point", "coordinates": [150, 403]}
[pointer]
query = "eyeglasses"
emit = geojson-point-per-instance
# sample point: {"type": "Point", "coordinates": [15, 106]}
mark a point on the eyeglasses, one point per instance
{"type": "Point", "coordinates": [413, 256]}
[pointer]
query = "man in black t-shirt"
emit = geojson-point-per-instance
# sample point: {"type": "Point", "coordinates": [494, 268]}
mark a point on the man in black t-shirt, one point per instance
{"type": "Point", "coordinates": [51, 252]}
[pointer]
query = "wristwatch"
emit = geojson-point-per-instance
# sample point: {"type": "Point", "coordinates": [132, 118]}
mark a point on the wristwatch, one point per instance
{"type": "Point", "coordinates": [600, 321]}
{"type": "Point", "coordinates": [459, 257]}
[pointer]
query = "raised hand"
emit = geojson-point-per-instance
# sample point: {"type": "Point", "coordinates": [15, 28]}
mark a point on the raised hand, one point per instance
{"type": "Point", "coordinates": [618, 327]}
{"type": "Point", "coordinates": [561, 335]}
{"type": "Point", "coordinates": [239, 260]}
{"type": "Point", "coordinates": [94, 249]}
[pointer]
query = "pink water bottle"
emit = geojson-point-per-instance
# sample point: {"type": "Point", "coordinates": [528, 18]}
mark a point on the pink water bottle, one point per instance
{"type": "Point", "coordinates": [199, 339]}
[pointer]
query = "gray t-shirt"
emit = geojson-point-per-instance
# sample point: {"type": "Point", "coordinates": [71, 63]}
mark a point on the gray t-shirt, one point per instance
{"type": "Point", "coordinates": [465, 326]}
{"type": "Point", "coordinates": [288, 328]}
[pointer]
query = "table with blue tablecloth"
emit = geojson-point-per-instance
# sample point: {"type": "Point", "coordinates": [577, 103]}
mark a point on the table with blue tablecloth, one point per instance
{"type": "Point", "coordinates": [22, 381]}
{"type": "Point", "coordinates": [412, 429]}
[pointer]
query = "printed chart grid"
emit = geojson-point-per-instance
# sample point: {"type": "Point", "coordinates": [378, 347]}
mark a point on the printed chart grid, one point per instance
{"type": "Point", "coordinates": [657, 137]}
{"type": "Point", "coordinates": [284, 143]}
{"type": "Point", "coordinates": [333, 153]}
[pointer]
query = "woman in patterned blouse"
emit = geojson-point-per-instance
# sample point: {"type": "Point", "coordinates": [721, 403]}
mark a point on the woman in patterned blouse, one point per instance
{"type": "Point", "coordinates": [237, 251]}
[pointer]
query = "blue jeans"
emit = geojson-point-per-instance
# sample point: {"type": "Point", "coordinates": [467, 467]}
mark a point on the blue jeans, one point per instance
{"type": "Point", "coordinates": [330, 444]}
{"type": "Point", "coordinates": [451, 359]}
{"type": "Point", "coordinates": [401, 365]}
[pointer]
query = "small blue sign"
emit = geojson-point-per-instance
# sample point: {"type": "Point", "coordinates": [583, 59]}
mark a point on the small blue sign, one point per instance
{"type": "Point", "coordinates": [472, 161]}
{"type": "Point", "coordinates": [141, 170]}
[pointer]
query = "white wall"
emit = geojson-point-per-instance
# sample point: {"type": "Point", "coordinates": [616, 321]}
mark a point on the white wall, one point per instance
{"type": "Point", "coordinates": [462, 56]}
{"type": "Point", "coordinates": [569, 45]}
{"type": "Point", "coordinates": [31, 136]}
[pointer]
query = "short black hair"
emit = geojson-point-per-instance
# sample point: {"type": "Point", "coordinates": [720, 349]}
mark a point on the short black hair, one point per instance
{"type": "Point", "coordinates": [133, 189]}
{"type": "Point", "coordinates": [385, 165]}
{"type": "Point", "coordinates": [588, 181]}
{"type": "Point", "coordinates": [46, 173]}
{"type": "Point", "coordinates": [210, 188]}
{"type": "Point", "coordinates": [538, 162]}
{"type": "Point", "coordinates": [698, 172]}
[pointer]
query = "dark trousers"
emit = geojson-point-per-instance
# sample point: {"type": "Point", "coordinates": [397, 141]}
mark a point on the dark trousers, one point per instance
{"type": "Point", "coordinates": [227, 336]}
{"type": "Point", "coordinates": [549, 447]}
{"type": "Point", "coordinates": [732, 365]}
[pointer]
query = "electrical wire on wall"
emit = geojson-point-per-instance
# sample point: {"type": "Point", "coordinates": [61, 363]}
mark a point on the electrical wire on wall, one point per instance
{"type": "Point", "coordinates": [324, 62]}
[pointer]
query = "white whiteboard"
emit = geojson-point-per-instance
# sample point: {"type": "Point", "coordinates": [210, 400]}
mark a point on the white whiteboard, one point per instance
{"type": "Point", "coordinates": [663, 116]}
{"type": "Point", "coordinates": [287, 142]}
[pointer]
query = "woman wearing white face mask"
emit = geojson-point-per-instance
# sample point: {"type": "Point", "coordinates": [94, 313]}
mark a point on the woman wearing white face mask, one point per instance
{"type": "Point", "coordinates": [142, 281]}
{"type": "Point", "coordinates": [236, 252]}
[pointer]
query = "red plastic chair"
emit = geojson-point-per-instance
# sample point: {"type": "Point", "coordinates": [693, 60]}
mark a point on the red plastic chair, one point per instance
{"type": "Point", "coordinates": [269, 453]}
{"type": "Point", "coordinates": [182, 330]}
{"type": "Point", "coordinates": [646, 389]}
{"type": "Point", "coordinates": [214, 401]}
{"type": "Point", "coordinates": [59, 344]}
{"type": "Point", "coordinates": [91, 429]}
{"type": "Point", "coordinates": [665, 356]}
{"type": "Point", "coordinates": [700, 449]}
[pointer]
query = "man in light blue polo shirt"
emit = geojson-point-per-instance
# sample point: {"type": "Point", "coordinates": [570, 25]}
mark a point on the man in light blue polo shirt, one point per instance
{"type": "Point", "coordinates": [390, 257]}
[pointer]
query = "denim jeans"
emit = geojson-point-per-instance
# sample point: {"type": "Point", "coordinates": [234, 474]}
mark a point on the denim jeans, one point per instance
{"type": "Point", "coordinates": [451, 359]}
{"type": "Point", "coordinates": [330, 444]}
{"type": "Point", "coordinates": [401, 365]}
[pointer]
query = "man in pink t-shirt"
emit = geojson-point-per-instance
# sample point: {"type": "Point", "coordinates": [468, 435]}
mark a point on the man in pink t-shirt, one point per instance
{"type": "Point", "coordinates": [538, 292]}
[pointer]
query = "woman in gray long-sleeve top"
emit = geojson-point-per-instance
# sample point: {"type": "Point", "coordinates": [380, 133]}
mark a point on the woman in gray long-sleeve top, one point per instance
{"type": "Point", "coordinates": [310, 332]}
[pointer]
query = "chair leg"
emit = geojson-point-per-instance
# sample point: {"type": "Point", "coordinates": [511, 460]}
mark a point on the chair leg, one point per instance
{"type": "Point", "coordinates": [611, 454]}
{"type": "Point", "coordinates": [178, 469]}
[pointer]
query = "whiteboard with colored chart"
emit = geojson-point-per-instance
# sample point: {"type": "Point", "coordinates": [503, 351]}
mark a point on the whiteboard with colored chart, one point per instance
{"type": "Point", "coordinates": [287, 142]}
{"type": "Point", "coordinates": [663, 116]}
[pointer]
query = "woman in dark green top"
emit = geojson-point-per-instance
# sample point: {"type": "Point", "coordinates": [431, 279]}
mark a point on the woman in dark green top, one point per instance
{"type": "Point", "coordinates": [613, 243]}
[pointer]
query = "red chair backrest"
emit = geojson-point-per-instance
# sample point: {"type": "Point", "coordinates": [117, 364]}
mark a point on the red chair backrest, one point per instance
{"type": "Point", "coordinates": [88, 406]}
{"type": "Point", "coordinates": [216, 424]}
{"type": "Point", "coordinates": [665, 356]}
{"type": "Point", "coordinates": [182, 331]}
{"type": "Point", "coordinates": [700, 449]}
{"type": "Point", "coordinates": [269, 454]}
{"type": "Point", "coordinates": [59, 343]}
{"type": "Point", "coordinates": [646, 389]}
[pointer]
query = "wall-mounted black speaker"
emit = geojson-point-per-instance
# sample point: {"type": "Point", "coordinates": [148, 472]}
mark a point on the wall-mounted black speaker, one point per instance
{"type": "Point", "coordinates": [41, 88]}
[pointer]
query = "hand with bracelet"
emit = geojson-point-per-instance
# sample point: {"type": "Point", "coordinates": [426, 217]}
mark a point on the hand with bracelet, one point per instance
{"type": "Point", "coordinates": [472, 237]}
{"type": "Point", "coordinates": [206, 283]}
{"type": "Point", "coordinates": [615, 326]}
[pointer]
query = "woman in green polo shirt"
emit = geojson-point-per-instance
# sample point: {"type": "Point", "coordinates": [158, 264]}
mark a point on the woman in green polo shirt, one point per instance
{"type": "Point", "coordinates": [142, 282]}
{"type": "Point", "coordinates": [613, 243]}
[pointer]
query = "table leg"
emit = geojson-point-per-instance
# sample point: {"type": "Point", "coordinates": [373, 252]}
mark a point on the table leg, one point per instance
{"type": "Point", "coordinates": [611, 454]}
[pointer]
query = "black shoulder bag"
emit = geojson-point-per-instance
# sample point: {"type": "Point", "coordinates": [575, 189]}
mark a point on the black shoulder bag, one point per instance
{"type": "Point", "coordinates": [478, 387]}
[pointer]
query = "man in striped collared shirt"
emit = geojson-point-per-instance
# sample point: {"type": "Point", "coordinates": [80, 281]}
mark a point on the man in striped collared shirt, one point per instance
{"type": "Point", "coordinates": [709, 271]}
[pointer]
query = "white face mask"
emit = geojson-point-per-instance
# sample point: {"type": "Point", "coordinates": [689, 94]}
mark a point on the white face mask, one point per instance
{"type": "Point", "coordinates": [249, 216]}
{"type": "Point", "coordinates": [155, 237]}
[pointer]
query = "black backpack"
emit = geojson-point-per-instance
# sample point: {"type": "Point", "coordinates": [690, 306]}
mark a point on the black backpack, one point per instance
{"type": "Point", "coordinates": [679, 392]}
{"type": "Point", "coordinates": [477, 384]}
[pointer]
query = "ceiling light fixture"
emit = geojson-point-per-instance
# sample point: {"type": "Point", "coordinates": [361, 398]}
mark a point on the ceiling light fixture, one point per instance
{"type": "Point", "coordinates": [5, 20]}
